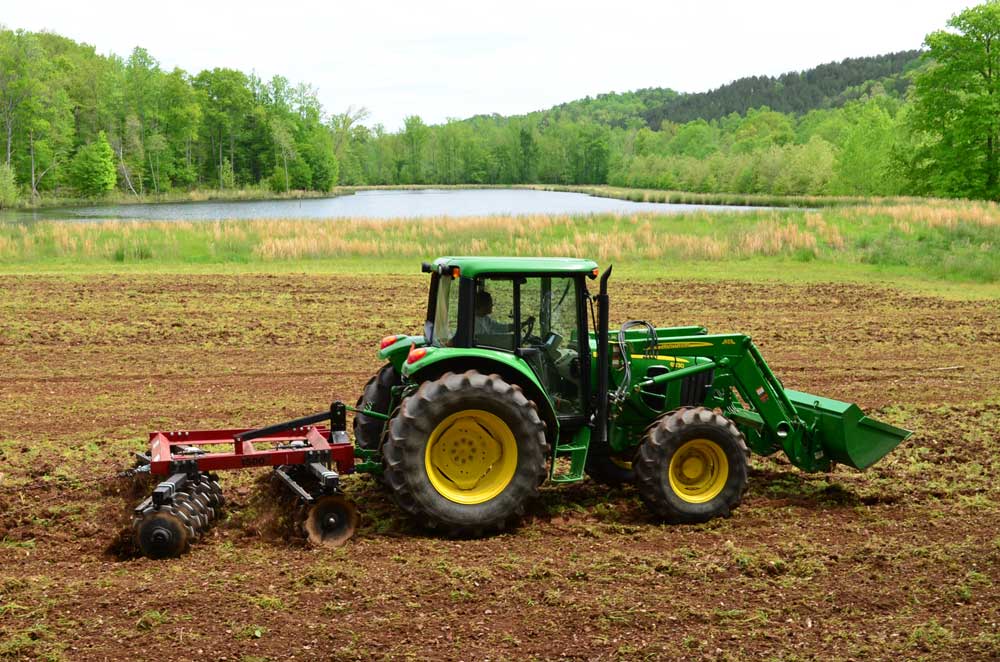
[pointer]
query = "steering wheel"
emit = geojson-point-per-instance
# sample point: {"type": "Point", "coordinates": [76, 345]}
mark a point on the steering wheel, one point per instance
{"type": "Point", "coordinates": [527, 326]}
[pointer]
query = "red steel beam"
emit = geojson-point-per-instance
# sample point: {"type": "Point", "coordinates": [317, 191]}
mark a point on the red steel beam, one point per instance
{"type": "Point", "coordinates": [162, 456]}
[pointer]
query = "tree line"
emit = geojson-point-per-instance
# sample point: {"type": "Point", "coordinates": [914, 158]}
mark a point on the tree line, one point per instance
{"type": "Point", "coordinates": [936, 134]}
{"type": "Point", "coordinates": [71, 118]}
{"type": "Point", "coordinates": [79, 122]}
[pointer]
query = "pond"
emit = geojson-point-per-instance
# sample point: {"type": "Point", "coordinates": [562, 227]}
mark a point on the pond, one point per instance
{"type": "Point", "coordinates": [374, 204]}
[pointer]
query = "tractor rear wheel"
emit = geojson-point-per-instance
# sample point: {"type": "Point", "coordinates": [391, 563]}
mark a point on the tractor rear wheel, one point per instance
{"type": "Point", "coordinates": [377, 396]}
{"type": "Point", "coordinates": [465, 453]}
{"type": "Point", "coordinates": [692, 466]}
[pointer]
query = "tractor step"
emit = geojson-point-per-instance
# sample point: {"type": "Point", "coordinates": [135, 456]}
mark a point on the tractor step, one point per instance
{"type": "Point", "coordinates": [576, 451]}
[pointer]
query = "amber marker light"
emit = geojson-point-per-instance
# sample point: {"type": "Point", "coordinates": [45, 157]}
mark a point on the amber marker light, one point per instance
{"type": "Point", "coordinates": [388, 340]}
{"type": "Point", "coordinates": [416, 354]}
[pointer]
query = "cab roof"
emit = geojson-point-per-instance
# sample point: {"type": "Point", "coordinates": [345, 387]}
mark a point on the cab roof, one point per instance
{"type": "Point", "coordinates": [471, 267]}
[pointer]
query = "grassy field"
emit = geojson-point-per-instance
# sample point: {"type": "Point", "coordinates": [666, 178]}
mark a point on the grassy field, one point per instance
{"type": "Point", "coordinates": [217, 324]}
{"type": "Point", "coordinates": [928, 240]}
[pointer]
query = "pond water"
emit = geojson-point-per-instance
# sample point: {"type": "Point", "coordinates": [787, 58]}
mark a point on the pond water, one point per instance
{"type": "Point", "coordinates": [375, 204]}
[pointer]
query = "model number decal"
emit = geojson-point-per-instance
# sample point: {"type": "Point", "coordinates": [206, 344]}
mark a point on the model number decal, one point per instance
{"type": "Point", "coordinates": [683, 345]}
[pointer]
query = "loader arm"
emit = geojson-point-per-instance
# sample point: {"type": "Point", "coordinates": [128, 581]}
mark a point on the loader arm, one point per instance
{"type": "Point", "coordinates": [814, 432]}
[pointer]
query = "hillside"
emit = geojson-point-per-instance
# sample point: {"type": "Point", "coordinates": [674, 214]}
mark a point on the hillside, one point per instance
{"type": "Point", "coordinates": [825, 86]}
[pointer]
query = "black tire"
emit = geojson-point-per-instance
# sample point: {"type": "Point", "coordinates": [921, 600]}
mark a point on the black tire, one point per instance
{"type": "Point", "coordinates": [377, 395]}
{"type": "Point", "coordinates": [610, 470]}
{"type": "Point", "coordinates": [712, 444]}
{"type": "Point", "coordinates": [407, 460]}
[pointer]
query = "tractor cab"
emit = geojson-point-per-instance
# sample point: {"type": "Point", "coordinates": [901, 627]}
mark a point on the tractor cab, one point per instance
{"type": "Point", "coordinates": [533, 309]}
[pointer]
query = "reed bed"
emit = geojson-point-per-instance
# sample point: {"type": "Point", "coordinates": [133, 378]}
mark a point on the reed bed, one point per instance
{"type": "Point", "coordinates": [727, 199]}
{"type": "Point", "coordinates": [259, 192]}
{"type": "Point", "coordinates": [957, 240]}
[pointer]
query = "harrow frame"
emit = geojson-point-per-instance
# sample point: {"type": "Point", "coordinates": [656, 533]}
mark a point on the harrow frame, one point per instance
{"type": "Point", "coordinates": [307, 458]}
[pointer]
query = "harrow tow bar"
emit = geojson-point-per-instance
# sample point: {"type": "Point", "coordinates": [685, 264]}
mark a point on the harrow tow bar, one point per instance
{"type": "Point", "coordinates": [302, 422]}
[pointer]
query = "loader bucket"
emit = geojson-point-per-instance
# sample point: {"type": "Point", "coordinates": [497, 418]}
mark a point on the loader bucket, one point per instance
{"type": "Point", "coordinates": [846, 435]}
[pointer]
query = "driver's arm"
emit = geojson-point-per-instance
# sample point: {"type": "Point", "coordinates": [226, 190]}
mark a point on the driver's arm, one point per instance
{"type": "Point", "coordinates": [486, 324]}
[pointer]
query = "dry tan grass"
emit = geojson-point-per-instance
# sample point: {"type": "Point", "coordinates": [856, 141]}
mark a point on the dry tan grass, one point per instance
{"type": "Point", "coordinates": [643, 236]}
{"type": "Point", "coordinates": [932, 213]}
{"type": "Point", "coordinates": [830, 234]}
{"type": "Point", "coordinates": [700, 236]}
{"type": "Point", "coordinates": [773, 237]}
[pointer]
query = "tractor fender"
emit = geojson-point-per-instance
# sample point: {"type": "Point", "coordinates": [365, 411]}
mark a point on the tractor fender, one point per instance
{"type": "Point", "coordinates": [511, 369]}
{"type": "Point", "coordinates": [396, 352]}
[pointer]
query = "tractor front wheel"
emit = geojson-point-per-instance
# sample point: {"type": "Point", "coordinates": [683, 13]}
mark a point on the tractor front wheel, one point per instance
{"type": "Point", "coordinates": [465, 453]}
{"type": "Point", "coordinates": [692, 466]}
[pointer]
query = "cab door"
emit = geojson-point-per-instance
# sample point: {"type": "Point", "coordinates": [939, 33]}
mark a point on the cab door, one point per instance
{"type": "Point", "coordinates": [552, 339]}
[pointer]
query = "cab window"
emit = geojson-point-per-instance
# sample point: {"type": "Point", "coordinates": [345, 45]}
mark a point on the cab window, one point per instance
{"type": "Point", "coordinates": [537, 317]}
{"type": "Point", "coordinates": [493, 313]}
{"type": "Point", "coordinates": [549, 331]}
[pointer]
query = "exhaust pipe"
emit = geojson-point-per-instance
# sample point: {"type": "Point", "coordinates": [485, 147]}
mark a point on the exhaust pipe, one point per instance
{"type": "Point", "coordinates": [600, 438]}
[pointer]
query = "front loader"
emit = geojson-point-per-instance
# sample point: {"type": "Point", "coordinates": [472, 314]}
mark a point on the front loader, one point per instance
{"type": "Point", "coordinates": [518, 379]}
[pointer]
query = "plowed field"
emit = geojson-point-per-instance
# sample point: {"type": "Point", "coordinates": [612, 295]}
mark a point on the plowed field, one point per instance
{"type": "Point", "coordinates": [901, 562]}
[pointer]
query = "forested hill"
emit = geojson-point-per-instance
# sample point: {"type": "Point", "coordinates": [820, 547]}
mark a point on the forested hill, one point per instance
{"type": "Point", "coordinates": [826, 86]}
{"type": "Point", "coordinates": [795, 92]}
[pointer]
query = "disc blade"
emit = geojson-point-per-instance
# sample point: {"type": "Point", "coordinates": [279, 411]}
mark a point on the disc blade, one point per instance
{"type": "Point", "coordinates": [331, 521]}
{"type": "Point", "coordinates": [161, 535]}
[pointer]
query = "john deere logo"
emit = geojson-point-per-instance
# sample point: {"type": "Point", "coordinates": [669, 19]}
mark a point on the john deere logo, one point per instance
{"type": "Point", "coordinates": [728, 341]}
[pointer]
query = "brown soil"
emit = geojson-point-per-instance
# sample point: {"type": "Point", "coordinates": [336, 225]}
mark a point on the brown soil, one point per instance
{"type": "Point", "coordinates": [899, 562]}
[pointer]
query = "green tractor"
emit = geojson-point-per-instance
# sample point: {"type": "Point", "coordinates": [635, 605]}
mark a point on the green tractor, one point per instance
{"type": "Point", "coordinates": [516, 379]}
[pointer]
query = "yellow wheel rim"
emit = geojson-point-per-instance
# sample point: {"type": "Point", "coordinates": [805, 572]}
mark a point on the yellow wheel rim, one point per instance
{"type": "Point", "coordinates": [471, 456]}
{"type": "Point", "coordinates": [698, 471]}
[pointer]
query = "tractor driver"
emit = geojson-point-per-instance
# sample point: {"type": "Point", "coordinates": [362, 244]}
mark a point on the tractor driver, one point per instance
{"type": "Point", "coordinates": [486, 325]}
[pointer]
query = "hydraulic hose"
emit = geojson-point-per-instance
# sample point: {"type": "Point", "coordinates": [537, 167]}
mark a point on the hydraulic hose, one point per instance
{"type": "Point", "coordinates": [622, 391]}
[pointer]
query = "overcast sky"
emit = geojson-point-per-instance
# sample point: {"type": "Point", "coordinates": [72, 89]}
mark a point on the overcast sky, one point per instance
{"type": "Point", "coordinates": [457, 59]}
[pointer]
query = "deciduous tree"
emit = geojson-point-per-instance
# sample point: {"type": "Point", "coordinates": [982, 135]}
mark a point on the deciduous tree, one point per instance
{"type": "Point", "coordinates": [8, 187]}
{"type": "Point", "coordinates": [92, 172]}
{"type": "Point", "coordinates": [957, 107]}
